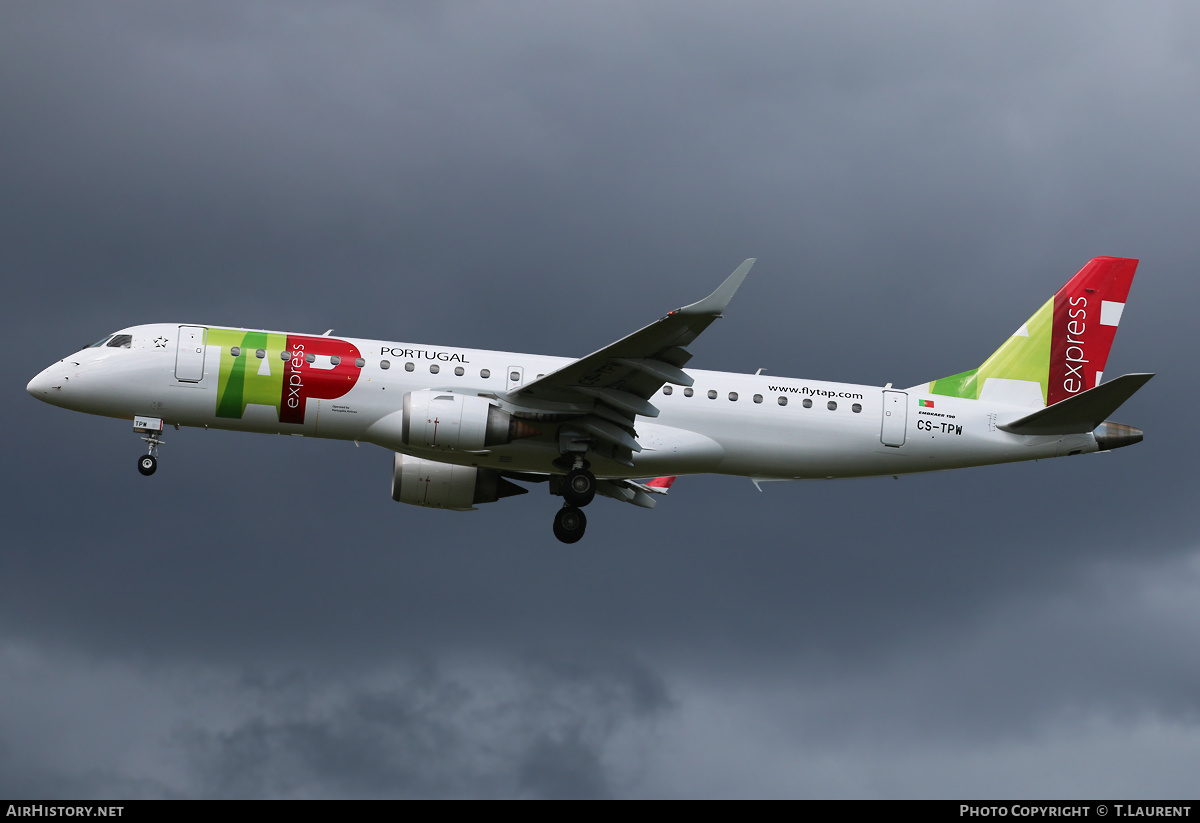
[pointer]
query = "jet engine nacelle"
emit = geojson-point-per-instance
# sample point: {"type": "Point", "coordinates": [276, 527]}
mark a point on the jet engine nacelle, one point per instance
{"type": "Point", "coordinates": [445, 486]}
{"type": "Point", "coordinates": [447, 420]}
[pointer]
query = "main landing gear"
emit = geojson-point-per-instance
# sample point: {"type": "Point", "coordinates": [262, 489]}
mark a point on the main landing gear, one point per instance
{"type": "Point", "coordinates": [578, 489]}
{"type": "Point", "coordinates": [569, 524]}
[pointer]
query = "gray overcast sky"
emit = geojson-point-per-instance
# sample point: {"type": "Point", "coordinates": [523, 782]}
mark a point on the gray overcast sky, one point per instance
{"type": "Point", "coordinates": [261, 620]}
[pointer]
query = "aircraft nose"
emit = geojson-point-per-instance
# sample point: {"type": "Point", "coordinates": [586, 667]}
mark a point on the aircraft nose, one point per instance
{"type": "Point", "coordinates": [45, 383]}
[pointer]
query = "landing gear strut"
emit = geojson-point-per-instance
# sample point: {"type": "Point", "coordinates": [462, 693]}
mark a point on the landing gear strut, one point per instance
{"type": "Point", "coordinates": [569, 524]}
{"type": "Point", "coordinates": [577, 488]}
{"type": "Point", "coordinates": [152, 427]}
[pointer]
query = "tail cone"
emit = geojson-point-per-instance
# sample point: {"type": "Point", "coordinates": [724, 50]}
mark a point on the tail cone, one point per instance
{"type": "Point", "coordinates": [1111, 435]}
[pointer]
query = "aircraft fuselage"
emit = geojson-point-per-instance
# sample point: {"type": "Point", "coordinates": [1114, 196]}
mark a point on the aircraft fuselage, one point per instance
{"type": "Point", "coordinates": [465, 423]}
{"type": "Point", "coordinates": [760, 426]}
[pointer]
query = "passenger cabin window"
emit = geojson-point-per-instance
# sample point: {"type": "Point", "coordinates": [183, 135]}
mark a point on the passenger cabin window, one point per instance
{"type": "Point", "coordinates": [758, 398]}
{"type": "Point", "coordinates": [120, 341]}
{"type": "Point", "coordinates": [385, 364]}
{"type": "Point", "coordinates": [485, 373]}
{"type": "Point", "coordinates": [667, 390]}
{"type": "Point", "coordinates": [688, 392]}
{"type": "Point", "coordinates": [283, 355]}
{"type": "Point", "coordinates": [831, 405]}
{"type": "Point", "coordinates": [807, 403]}
{"type": "Point", "coordinates": [856, 408]}
{"type": "Point", "coordinates": [712, 394]}
{"type": "Point", "coordinates": [782, 400]}
{"type": "Point", "coordinates": [514, 376]}
{"type": "Point", "coordinates": [358, 361]}
{"type": "Point", "coordinates": [311, 358]}
{"type": "Point", "coordinates": [434, 368]}
{"type": "Point", "coordinates": [409, 366]}
{"type": "Point", "coordinates": [236, 351]}
{"type": "Point", "coordinates": [459, 371]}
{"type": "Point", "coordinates": [260, 354]}
{"type": "Point", "coordinates": [335, 360]}
{"type": "Point", "coordinates": [733, 395]}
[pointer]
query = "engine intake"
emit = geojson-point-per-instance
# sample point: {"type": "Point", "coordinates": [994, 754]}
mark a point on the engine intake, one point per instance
{"type": "Point", "coordinates": [445, 486]}
{"type": "Point", "coordinates": [447, 420]}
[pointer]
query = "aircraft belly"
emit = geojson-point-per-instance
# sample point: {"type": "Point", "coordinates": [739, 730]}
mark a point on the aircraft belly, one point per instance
{"type": "Point", "coordinates": [669, 450]}
{"type": "Point", "coordinates": [815, 446]}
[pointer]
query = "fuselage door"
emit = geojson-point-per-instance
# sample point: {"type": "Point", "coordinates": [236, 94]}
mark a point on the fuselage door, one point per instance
{"type": "Point", "coordinates": [895, 418]}
{"type": "Point", "coordinates": [516, 376]}
{"type": "Point", "coordinates": [189, 356]}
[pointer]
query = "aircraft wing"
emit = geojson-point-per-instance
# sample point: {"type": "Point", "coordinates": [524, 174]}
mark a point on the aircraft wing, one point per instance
{"type": "Point", "coordinates": [621, 378]}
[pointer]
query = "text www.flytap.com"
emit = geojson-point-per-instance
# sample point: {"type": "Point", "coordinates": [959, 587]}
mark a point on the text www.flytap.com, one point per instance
{"type": "Point", "coordinates": [814, 392]}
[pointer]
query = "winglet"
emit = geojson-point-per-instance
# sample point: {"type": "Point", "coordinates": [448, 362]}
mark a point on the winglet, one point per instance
{"type": "Point", "coordinates": [716, 302]}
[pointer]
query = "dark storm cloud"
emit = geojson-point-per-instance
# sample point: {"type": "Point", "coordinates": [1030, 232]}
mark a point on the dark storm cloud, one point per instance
{"type": "Point", "coordinates": [915, 182]}
{"type": "Point", "coordinates": [517, 727]}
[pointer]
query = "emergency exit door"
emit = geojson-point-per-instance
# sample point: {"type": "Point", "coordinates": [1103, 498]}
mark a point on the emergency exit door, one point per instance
{"type": "Point", "coordinates": [895, 418]}
{"type": "Point", "coordinates": [189, 354]}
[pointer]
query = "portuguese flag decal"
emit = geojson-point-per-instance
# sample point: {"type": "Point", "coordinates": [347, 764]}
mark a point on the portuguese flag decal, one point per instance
{"type": "Point", "coordinates": [925, 403]}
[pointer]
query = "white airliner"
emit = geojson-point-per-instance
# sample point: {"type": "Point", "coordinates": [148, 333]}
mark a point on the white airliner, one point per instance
{"type": "Point", "coordinates": [464, 423]}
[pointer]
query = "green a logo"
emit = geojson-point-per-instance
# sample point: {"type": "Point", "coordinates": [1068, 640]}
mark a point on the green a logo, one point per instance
{"type": "Point", "coordinates": [248, 379]}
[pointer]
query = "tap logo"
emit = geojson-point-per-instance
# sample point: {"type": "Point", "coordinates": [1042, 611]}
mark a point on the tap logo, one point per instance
{"type": "Point", "coordinates": [280, 370]}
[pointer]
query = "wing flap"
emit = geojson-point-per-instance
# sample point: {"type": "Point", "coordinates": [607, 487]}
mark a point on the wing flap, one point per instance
{"type": "Point", "coordinates": [658, 369]}
{"type": "Point", "coordinates": [621, 400]}
{"type": "Point", "coordinates": [627, 491]}
{"type": "Point", "coordinates": [609, 432]}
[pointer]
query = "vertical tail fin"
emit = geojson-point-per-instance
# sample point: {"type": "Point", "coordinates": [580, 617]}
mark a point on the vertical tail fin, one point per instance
{"type": "Point", "coordinates": [1061, 350]}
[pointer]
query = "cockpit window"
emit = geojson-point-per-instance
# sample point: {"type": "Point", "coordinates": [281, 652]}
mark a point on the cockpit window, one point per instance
{"type": "Point", "coordinates": [100, 342]}
{"type": "Point", "coordinates": [120, 341]}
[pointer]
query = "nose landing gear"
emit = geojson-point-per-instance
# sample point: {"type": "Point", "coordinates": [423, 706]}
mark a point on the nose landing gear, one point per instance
{"type": "Point", "coordinates": [152, 427]}
{"type": "Point", "coordinates": [147, 464]}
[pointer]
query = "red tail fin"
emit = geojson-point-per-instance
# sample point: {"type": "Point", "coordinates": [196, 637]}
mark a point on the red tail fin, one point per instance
{"type": "Point", "coordinates": [1086, 313]}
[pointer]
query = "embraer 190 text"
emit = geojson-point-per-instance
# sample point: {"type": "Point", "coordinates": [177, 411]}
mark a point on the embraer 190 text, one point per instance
{"type": "Point", "coordinates": [464, 424]}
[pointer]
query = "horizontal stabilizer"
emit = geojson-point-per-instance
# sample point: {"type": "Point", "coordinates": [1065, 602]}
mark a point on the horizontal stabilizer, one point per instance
{"type": "Point", "coordinates": [1081, 413]}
